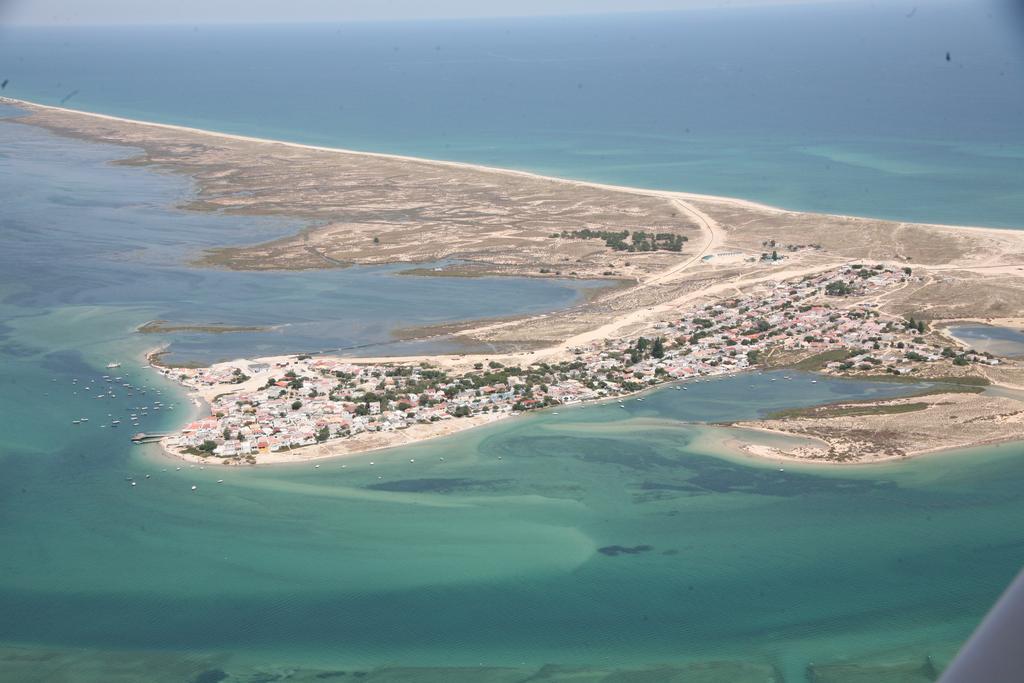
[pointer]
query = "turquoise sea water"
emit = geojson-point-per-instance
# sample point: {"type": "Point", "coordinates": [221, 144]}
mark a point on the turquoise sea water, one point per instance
{"type": "Point", "coordinates": [491, 559]}
{"type": "Point", "coordinates": [846, 108]}
{"type": "Point", "coordinates": [1004, 341]}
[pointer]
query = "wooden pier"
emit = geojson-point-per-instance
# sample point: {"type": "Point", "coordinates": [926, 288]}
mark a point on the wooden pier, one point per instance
{"type": "Point", "coordinates": [143, 437]}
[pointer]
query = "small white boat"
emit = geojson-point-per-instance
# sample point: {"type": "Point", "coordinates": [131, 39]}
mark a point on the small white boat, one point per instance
{"type": "Point", "coordinates": [112, 364]}
{"type": "Point", "coordinates": [74, 422]}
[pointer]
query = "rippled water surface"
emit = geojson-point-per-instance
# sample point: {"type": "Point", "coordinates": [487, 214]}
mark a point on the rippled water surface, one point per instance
{"type": "Point", "coordinates": [597, 539]}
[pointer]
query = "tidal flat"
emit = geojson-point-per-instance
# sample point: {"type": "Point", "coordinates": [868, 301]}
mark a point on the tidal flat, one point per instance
{"type": "Point", "coordinates": [484, 566]}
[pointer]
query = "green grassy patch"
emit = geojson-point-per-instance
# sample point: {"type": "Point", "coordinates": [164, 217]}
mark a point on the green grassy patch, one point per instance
{"type": "Point", "coordinates": [820, 360]}
{"type": "Point", "coordinates": [875, 406]}
{"type": "Point", "coordinates": [822, 412]}
{"type": "Point", "coordinates": [952, 383]}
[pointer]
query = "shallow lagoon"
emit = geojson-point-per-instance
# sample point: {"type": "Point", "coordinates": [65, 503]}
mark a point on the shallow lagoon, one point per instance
{"type": "Point", "coordinates": [79, 231]}
{"type": "Point", "coordinates": [1001, 341]}
{"type": "Point", "coordinates": [491, 557]}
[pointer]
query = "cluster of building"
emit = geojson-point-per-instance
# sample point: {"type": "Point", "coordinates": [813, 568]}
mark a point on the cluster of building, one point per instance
{"type": "Point", "coordinates": [306, 400]}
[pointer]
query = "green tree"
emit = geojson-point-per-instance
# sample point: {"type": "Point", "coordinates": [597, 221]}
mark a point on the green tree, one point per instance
{"type": "Point", "coordinates": [837, 288]}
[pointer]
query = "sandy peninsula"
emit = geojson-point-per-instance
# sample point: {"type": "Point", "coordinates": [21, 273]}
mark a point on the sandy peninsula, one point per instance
{"type": "Point", "coordinates": [676, 254]}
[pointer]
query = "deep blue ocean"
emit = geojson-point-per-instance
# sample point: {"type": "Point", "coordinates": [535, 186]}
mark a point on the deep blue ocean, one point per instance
{"type": "Point", "coordinates": [848, 108]}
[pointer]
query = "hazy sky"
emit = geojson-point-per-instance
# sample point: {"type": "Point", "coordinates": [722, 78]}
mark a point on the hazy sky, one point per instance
{"type": "Point", "coordinates": [238, 11]}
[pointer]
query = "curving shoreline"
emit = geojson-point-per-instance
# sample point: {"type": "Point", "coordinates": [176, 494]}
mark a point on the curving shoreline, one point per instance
{"type": "Point", "coordinates": [733, 231]}
{"type": "Point", "coordinates": [368, 443]}
{"type": "Point", "coordinates": [383, 155]}
{"type": "Point", "coordinates": [245, 392]}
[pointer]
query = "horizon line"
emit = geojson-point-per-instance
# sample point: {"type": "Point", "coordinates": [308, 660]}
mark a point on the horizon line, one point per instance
{"type": "Point", "coordinates": [735, 5]}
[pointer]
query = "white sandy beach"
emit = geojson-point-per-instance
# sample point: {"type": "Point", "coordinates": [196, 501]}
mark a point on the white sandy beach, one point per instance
{"type": "Point", "coordinates": [621, 323]}
{"type": "Point", "coordinates": [669, 194]}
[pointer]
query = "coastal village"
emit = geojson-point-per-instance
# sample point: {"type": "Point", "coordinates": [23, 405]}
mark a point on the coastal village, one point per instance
{"type": "Point", "coordinates": [294, 402]}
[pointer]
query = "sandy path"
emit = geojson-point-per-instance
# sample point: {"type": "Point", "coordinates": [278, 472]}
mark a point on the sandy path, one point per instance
{"type": "Point", "coordinates": [609, 330]}
{"type": "Point", "coordinates": [715, 238]}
